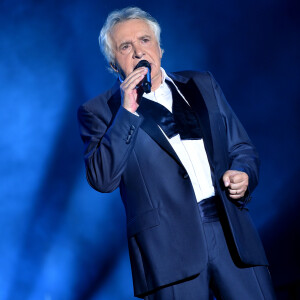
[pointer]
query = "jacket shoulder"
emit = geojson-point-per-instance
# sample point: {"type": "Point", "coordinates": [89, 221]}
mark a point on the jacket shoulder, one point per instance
{"type": "Point", "coordinates": [188, 74]}
{"type": "Point", "coordinates": [99, 103]}
{"type": "Point", "coordinates": [101, 99]}
{"type": "Point", "coordinates": [204, 80]}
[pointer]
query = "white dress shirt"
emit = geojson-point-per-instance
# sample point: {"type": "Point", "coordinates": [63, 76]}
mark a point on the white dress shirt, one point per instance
{"type": "Point", "coordinates": [191, 152]}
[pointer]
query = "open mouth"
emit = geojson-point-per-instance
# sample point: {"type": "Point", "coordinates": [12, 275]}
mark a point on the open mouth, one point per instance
{"type": "Point", "coordinates": [143, 63]}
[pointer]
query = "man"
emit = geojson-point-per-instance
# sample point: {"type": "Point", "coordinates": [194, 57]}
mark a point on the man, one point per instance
{"type": "Point", "coordinates": [185, 168]}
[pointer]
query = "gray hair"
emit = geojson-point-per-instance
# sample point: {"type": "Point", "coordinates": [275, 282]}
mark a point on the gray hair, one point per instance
{"type": "Point", "coordinates": [119, 16]}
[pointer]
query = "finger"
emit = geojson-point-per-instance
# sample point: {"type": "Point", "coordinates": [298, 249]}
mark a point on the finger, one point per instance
{"type": "Point", "coordinates": [237, 192]}
{"type": "Point", "coordinates": [235, 197]}
{"type": "Point", "coordinates": [131, 77]}
{"type": "Point", "coordinates": [134, 75]}
{"type": "Point", "coordinates": [133, 83]}
{"type": "Point", "coordinates": [136, 71]}
{"type": "Point", "coordinates": [238, 186]}
{"type": "Point", "coordinates": [226, 179]}
{"type": "Point", "coordinates": [237, 178]}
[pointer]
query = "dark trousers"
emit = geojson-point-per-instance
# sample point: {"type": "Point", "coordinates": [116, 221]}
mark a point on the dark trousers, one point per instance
{"type": "Point", "coordinates": [222, 276]}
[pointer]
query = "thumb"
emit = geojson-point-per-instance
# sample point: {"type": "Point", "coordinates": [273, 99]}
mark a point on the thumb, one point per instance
{"type": "Point", "coordinates": [226, 179]}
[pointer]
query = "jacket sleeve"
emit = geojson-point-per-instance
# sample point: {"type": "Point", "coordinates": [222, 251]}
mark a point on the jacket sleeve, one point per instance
{"type": "Point", "coordinates": [108, 145]}
{"type": "Point", "coordinates": [242, 153]}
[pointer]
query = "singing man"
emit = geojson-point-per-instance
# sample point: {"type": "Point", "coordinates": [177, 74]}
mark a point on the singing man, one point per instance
{"type": "Point", "coordinates": [184, 165]}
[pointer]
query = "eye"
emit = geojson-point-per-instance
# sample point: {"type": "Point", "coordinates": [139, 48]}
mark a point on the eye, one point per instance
{"type": "Point", "coordinates": [124, 47]}
{"type": "Point", "coordinates": [145, 40]}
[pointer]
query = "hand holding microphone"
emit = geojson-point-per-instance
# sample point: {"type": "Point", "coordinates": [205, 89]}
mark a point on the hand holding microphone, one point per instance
{"type": "Point", "coordinates": [146, 83]}
{"type": "Point", "coordinates": [135, 84]}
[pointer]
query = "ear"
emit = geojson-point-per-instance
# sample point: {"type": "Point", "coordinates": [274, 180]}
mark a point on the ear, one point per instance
{"type": "Point", "coordinates": [114, 67]}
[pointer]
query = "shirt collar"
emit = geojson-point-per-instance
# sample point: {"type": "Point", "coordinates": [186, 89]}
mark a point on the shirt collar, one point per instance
{"type": "Point", "coordinates": [165, 76]}
{"type": "Point", "coordinates": [163, 88]}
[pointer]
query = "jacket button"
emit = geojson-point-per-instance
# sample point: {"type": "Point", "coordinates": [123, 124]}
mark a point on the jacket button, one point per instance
{"type": "Point", "coordinates": [186, 175]}
{"type": "Point", "coordinates": [128, 139]}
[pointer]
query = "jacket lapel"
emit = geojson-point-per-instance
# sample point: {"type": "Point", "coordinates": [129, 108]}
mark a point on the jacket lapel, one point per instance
{"type": "Point", "coordinates": [152, 129]}
{"type": "Point", "coordinates": [193, 95]}
{"type": "Point", "coordinates": [149, 126]}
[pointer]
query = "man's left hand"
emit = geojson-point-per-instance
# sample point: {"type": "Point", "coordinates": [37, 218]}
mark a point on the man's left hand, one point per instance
{"type": "Point", "coordinates": [236, 182]}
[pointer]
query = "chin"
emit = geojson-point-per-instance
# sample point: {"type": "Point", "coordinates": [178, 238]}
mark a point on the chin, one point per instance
{"type": "Point", "coordinates": [156, 74]}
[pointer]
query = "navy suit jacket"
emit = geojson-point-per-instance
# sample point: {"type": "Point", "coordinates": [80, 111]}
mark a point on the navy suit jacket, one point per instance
{"type": "Point", "coordinates": [165, 235]}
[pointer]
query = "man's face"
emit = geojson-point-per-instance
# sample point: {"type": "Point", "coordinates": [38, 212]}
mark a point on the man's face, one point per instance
{"type": "Point", "coordinates": [133, 41]}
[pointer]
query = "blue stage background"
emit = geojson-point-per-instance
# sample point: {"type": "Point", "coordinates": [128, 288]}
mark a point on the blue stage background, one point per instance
{"type": "Point", "coordinates": [62, 240]}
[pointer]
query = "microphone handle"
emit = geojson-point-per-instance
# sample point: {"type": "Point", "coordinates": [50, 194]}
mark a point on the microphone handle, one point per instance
{"type": "Point", "coordinates": [146, 84]}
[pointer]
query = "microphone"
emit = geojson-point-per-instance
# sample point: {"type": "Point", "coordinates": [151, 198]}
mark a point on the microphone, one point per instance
{"type": "Point", "coordinates": [146, 82]}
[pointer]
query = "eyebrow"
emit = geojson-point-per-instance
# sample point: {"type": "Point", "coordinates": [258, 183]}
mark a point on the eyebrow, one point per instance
{"type": "Point", "coordinates": [145, 36]}
{"type": "Point", "coordinates": [129, 42]}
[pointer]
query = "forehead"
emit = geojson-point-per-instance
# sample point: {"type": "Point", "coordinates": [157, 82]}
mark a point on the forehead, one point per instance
{"type": "Point", "coordinates": [130, 29]}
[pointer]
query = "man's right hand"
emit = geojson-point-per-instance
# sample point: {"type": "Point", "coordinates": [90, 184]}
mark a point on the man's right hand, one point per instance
{"type": "Point", "coordinates": [129, 93]}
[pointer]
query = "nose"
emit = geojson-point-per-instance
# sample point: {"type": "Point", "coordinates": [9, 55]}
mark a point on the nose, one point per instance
{"type": "Point", "coordinates": [137, 51]}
